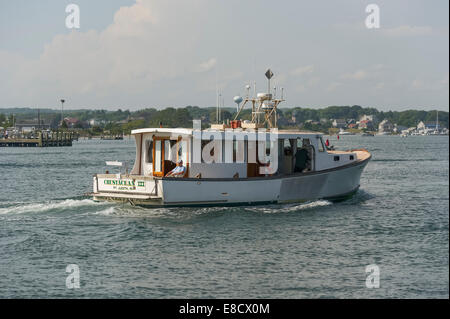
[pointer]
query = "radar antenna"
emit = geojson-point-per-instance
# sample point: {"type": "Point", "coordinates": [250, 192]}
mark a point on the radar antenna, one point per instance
{"type": "Point", "coordinates": [264, 106]}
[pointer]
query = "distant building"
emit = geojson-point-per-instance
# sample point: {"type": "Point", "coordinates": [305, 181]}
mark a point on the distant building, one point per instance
{"type": "Point", "coordinates": [339, 123]}
{"type": "Point", "coordinates": [93, 122]}
{"type": "Point", "coordinates": [353, 125]}
{"type": "Point", "coordinates": [428, 126]}
{"type": "Point", "coordinates": [312, 122]}
{"type": "Point", "coordinates": [399, 128]}
{"type": "Point", "coordinates": [29, 126]}
{"type": "Point", "coordinates": [135, 118]}
{"type": "Point", "coordinates": [385, 127]}
{"type": "Point", "coordinates": [371, 118]}
{"type": "Point", "coordinates": [365, 125]}
{"type": "Point", "coordinates": [71, 122]}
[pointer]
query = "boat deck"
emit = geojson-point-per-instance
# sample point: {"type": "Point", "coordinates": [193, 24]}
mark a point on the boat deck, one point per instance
{"type": "Point", "coordinates": [361, 154]}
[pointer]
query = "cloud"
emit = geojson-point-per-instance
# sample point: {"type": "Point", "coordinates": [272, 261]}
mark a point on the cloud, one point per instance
{"type": "Point", "coordinates": [379, 86]}
{"type": "Point", "coordinates": [333, 86]}
{"type": "Point", "coordinates": [357, 75]}
{"type": "Point", "coordinates": [207, 65]}
{"type": "Point", "coordinates": [308, 69]}
{"type": "Point", "coordinates": [408, 31]}
{"type": "Point", "coordinates": [372, 71]}
{"type": "Point", "coordinates": [165, 53]}
{"type": "Point", "coordinates": [417, 84]}
{"type": "Point", "coordinates": [444, 81]}
{"type": "Point", "coordinates": [147, 45]}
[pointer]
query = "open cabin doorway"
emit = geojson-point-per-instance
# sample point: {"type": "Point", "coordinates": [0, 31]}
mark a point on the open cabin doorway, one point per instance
{"type": "Point", "coordinates": [166, 153]}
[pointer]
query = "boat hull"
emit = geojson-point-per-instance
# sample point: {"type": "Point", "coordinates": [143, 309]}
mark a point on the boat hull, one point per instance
{"type": "Point", "coordinates": [334, 184]}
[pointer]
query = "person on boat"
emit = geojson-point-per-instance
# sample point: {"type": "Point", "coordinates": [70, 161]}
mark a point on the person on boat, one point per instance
{"type": "Point", "coordinates": [178, 171]}
{"type": "Point", "coordinates": [328, 146]}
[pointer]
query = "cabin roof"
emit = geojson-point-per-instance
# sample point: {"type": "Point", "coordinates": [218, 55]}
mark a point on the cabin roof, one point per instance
{"type": "Point", "coordinates": [184, 131]}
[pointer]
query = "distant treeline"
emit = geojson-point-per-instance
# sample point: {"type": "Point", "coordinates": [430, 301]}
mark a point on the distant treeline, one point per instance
{"type": "Point", "coordinates": [125, 120]}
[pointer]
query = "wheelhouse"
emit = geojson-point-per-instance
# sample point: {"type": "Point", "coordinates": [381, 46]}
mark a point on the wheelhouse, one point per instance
{"type": "Point", "coordinates": [232, 153]}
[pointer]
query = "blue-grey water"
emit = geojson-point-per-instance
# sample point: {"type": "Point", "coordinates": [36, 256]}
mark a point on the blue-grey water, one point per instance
{"type": "Point", "coordinates": [398, 220]}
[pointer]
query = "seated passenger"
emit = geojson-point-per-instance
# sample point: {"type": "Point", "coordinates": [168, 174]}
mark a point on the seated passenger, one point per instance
{"type": "Point", "coordinates": [178, 171]}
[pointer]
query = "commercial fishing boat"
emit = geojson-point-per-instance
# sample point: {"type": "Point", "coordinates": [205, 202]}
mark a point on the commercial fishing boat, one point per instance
{"type": "Point", "coordinates": [236, 163]}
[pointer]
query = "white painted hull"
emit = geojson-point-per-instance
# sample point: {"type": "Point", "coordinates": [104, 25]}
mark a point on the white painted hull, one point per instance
{"type": "Point", "coordinates": [331, 184]}
{"type": "Point", "coordinates": [328, 184]}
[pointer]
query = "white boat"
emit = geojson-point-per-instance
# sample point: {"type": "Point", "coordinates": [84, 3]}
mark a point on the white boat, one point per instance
{"type": "Point", "coordinates": [343, 132]}
{"type": "Point", "coordinates": [239, 163]}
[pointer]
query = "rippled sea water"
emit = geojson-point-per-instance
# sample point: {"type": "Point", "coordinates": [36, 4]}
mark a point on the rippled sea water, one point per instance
{"type": "Point", "coordinates": [398, 220]}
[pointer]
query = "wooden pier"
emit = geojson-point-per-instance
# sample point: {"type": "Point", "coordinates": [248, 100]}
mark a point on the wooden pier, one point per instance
{"type": "Point", "coordinates": [44, 139]}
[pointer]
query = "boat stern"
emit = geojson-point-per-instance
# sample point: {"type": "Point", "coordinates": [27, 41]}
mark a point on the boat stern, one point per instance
{"type": "Point", "coordinates": [127, 188]}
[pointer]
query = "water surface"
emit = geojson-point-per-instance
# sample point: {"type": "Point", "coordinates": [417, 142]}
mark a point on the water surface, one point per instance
{"type": "Point", "coordinates": [398, 220]}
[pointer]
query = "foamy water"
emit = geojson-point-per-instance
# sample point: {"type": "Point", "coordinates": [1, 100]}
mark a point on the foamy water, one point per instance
{"type": "Point", "coordinates": [62, 205]}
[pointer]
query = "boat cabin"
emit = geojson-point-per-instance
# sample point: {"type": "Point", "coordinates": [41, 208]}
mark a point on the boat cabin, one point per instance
{"type": "Point", "coordinates": [233, 153]}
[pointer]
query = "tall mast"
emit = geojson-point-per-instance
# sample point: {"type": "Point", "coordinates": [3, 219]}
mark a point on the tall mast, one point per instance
{"type": "Point", "coordinates": [437, 119]}
{"type": "Point", "coordinates": [264, 106]}
{"type": "Point", "coordinates": [62, 106]}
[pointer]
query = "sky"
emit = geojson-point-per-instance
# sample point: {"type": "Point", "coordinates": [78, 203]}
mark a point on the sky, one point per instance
{"type": "Point", "coordinates": [134, 54]}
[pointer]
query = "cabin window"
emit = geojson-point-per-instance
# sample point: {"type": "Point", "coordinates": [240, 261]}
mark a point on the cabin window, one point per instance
{"type": "Point", "coordinates": [268, 144]}
{"type": "Point", "coordinates": [183, 151]}
{"type": "Point", "coordinates": [287, 147]}
{"type": "Point", "coordinates": [211, 154]}
{"type": "Point", "coordinates": [352, 157]}
{"type": "Point", "coordinates": [234, 150]}
{"type": "Point", "coordinates": [167, 150]}
{"type": "Point", "coordinates": [238, 151]}
{"type": "Point", "coordinates": [149, 147]}
{"type": "Point", "coordinates": [336, 158]}
{"type": "Point", "coordinates": [306, 142]}
{"type": "Point", "coordinates": [158, 155]}
{"type": "Point", "coordinates": [321, 145]}
{"type": "Point", "coordinates": [172, 156]}
{"type": "Point", "coordinates": [180, 152]}
{"type": "Point", "coordinates": [206, 142]}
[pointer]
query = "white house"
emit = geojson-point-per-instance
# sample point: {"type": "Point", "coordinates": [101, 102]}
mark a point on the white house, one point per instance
{"type": "Point", "coordinates": [385, 127]}
{"type": "Point", "coordinates": [428, 126]}
{"type": "Point", "coordinates": [340, 123]}
{"type": "Point", "coordinates": [371, 118]}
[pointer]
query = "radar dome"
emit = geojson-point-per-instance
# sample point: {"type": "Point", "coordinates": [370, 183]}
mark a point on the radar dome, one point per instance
{"type": "Point", "coordinates": [237, 99]}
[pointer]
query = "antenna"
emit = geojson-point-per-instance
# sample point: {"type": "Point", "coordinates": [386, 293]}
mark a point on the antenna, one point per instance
{"type": "Point", "coordinates": [274, 92]}
{"type": "Point", "coordinates": [218, 110]}
{"type": "Point", "coordinates": [247, 87]}
{"type": "Point", "coordinates": [223, 105]}
{"type": "Point", "coordinates": [217, 104]}
{"type": "Point", "coordinates": [217, 97]}
{"type": "Point", "coordinates": [269, 75]}
{"type": "Point", "coordinates": [282, 93]}
{"type": "Point", "coordinates": [437, 120]}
